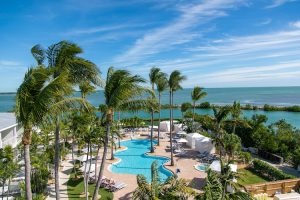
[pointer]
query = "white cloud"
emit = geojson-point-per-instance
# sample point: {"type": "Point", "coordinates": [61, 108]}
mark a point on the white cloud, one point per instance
{"type": "Point", "coordinates": [264, 22]}
{"type": "Point", "coordinates": [179, 31]}
{"type": "Point", "coordinates": [295, 24]}
{"type": "Point", "coordinates": [8, 63]}
{"type": "Point", "coordinates": [225, 61]}
{"type": "Point", "coordinates": [277, 3]}
{"type": "Point", "coordinates": [105, 29]}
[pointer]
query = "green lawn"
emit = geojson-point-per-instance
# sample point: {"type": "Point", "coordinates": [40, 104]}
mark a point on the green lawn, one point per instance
{"type": "Point", "coordinates": [248, 177]}
{"type": "Point", "coordinates": [75, 187]}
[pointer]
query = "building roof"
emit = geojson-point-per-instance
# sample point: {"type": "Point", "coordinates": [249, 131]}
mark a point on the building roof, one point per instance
{"type": "Point", "coordinates": [7, 120]}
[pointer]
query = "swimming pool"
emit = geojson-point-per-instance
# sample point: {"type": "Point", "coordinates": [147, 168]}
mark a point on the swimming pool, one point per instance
{"type": "Point", "coordinates": [201, 167]}
{"type": "Point", "coordinates": [134, 160]}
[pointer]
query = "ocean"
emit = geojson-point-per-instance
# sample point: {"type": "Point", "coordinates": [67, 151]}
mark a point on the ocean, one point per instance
{"type": "Point", "coordinates": [277, 96]}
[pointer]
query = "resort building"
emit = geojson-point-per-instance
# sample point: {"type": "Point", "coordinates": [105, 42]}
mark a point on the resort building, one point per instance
{"type": "Point", "coordinates": [10, 131]}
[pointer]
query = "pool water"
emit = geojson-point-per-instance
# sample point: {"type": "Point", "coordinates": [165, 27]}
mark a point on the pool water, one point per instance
{"type": "Point", "coordinates": [134, 160]}
{"type": "Point", "coordinates": [201, 167]}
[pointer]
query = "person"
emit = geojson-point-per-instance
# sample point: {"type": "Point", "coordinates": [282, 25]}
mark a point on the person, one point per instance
{"type": "Point", "coordinates": [177, 170]}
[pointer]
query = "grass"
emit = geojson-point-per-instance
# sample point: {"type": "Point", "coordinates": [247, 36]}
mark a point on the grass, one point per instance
{"type": "Point", "coordinates": [75, 187]}
{"type": "Point", "coordinates": [248, 177]}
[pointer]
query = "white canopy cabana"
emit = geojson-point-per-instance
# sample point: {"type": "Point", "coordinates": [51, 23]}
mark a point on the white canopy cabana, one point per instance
{"type": "Point", "coordinates": [181, 133]}
{"type": "Point", "coordinates": [178, 127]}
{"type": "Point", "coordinates": [181, 140]}
{"type": "Point", "coordinates": [205, 144]}
{"type": "Point", "coordinates": [191, 138]}
{"type": "Point", "coordinates": [165, 126]}
{"type": "Point", "coordinates": [216, 166]}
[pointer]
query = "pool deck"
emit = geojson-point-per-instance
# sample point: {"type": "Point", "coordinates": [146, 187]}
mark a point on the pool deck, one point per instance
{"type": "Point", "coordinates": [185, 164]}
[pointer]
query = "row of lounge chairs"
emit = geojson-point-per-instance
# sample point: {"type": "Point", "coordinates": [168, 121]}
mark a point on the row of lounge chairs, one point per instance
{"type": "Point", "coordinates": [206, 157]}
{"type": "Point", "coordinates": [109, 184]}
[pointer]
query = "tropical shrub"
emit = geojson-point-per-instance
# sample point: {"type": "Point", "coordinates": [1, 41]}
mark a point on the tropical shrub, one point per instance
{"type": "Point", "coordinates": [266, 170]}
{"type": "Point", "coordinates": [246, 157]}
{"type": "Point", "coordinates": [39, 179]}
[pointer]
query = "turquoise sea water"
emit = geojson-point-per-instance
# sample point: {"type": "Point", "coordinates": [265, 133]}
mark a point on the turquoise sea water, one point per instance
{"type": "Point", "coordinates": [280, 96]}
{"type": "Point", "coordinates": [134, 160]}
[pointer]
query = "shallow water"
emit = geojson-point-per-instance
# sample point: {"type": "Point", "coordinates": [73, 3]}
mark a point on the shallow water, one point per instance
{"type": "Point", "coordinates": [280, 96]}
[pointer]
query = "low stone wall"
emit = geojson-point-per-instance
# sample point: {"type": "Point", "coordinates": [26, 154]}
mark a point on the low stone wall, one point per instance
{"type": "Point", "coordinates": [283, 186]}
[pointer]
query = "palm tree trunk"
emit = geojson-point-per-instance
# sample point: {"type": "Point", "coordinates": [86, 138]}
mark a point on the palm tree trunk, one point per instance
{"type": "Point", "coordinates": [112, 147]}
{"type": "Point", "coordinates": [158, 133]}
{"type": "Point", "coordinates": [194, 104]}
{"type": "Point", "coordinates": [8, 191]}
{"type": "Point", "coordinates": [151, 134]}
{"type": "Point", "coordinates": [3, 184]}
{"type": "Point", "coordinates": [57, 159]}
{"type": "Point", "coordinates": [100, 176]}
{"type": "Point", "coordinates": [84, 174]}
{"type": "Point", "coordinates": [234, 127]}
{"type": "Point", "coordinates": [88, 175]}
{"type": "Point", "coordinates": [26, 140]}
{"type": "Point", "coordinates": [152, 123]}
{"type": "Point", "coordinates": [96, 164]}
{"type": "Point", "coordinates": [73, 160]}
{"type": "Point", "coordinates": [171, 127]}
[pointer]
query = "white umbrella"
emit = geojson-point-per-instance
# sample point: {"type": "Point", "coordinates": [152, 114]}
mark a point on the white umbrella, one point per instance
{"type": "Point", "coordinates": [216, 166]}
{"type": "Point", "coordinates": [181, 140]}
{"type": "Point", "coordinates": [83, 158]}
{"type": "Point", "coordinates": [87, 167]}
{"type": "Point", "coordinates": [181, 133]}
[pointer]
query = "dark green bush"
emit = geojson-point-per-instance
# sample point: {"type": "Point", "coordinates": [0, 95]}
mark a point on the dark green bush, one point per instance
{"type": "Point", "coordinates": [266, 170]}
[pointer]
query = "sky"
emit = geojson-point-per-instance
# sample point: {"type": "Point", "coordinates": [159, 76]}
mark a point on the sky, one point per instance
{"type": "Point", "coordinates": [215, 43]}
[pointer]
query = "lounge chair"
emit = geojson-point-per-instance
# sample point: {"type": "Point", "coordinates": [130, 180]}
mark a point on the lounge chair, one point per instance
{"type": "Point", "coordinates": [117, 186]}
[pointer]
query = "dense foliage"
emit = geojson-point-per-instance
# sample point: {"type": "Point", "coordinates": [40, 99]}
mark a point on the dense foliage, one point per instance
{"type": "Point", "coordinates": [268, 171]}
{"type": "Point", "coordinates": [278, 138]}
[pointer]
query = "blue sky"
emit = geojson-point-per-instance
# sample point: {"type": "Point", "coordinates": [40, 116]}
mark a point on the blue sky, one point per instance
{"type": "Point", "coordinates": [215, 43]}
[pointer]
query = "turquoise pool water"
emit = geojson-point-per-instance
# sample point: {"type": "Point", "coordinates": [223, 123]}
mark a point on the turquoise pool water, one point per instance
{"type": "Point", "coordinates": [201, 167]}
{"type": "Point", "coordinates": [134, 160]}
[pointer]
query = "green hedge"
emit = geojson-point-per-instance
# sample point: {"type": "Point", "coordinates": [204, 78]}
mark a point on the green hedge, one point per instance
{"type": "Point", "coordinates": [266, 170]}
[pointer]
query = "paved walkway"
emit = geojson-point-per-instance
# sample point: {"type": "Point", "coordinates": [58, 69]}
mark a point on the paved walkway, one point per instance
{"type": "Point", "coordinates": [64, 175]}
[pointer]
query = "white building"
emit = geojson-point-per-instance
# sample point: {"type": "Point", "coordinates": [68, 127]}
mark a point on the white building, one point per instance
{"type": "Point", "coordinates": [10, 131]}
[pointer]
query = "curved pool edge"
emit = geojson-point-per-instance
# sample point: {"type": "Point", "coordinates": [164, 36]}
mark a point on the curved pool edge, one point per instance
{"type": "Point", "coordinates": [146, 154]}
{"type": "Point", "coordinates": [163, 165]}
{"type": "Point", "coordinates": [118, 161]}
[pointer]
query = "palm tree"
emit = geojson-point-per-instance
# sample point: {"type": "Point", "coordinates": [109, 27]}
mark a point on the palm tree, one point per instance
{"type": "Point", "coordinates": [235, 114]}
{"type": "Point", "coordinates": [185, 107]}
{"type": "Point", "coordinates": [174, 81]}
{"type": "Point", "coordinates": [35, 99]}
{"type": "Point", "coordinates": [121, 91]}
{"type": "Point", "coordinates": [220, 115]}
{"type": "Point", "coordinates": [63, 57]}
{"type": "Point", "coordinates": [217, 185]}
{"type": "Point", "coordinates": [196, 95]}
{"type": "Point", "coordinates": [161, 85]}
{"type": "Point", "coordinates": [173, 188]}
{"type": "Point", "coordinates": [154, 75]}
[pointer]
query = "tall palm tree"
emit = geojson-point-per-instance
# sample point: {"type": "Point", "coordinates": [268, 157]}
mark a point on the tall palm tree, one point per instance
{"type": "Point", "coordinates": [197, 94]}
{"type": "Point", "coordinates": [220, 115]}
{"type": "Point", "coordinates": [174, 81]}
{"type": "Point", "coordinates": [161, 85]}
{"type": "Point", "coordinates": [35, 99]}
{"type": "Point", "coordinates": [235, 114]}
{"type": "Point", "coordinates": [154, 76]}
{"type": "Point", "coordinates": [63, 57]}
{"type": "Point", "coordinates": [121, 93]}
